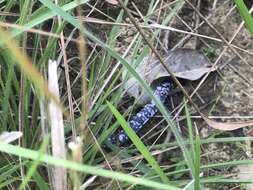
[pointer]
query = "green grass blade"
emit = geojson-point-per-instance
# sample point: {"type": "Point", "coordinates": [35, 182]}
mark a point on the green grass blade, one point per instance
{"type": "Point", "coordinates": [138, 143]}
{"type": "Point", "coordinates": [42, 184]}
{"type": "Point", "coordinates": [35, 164]}
{"type": "Point", "coordinates": [7, 93]}
{"type": "Point", "coordinates": [197, 162]}
{"type": "Point", "coordinates": [39, 19]}
{"type": "Point", "coordinates": [31, 154]}
{"type": "Point", "coordinates": [190, 130]}
{"type": "Point", "coordinates": [245, 15]}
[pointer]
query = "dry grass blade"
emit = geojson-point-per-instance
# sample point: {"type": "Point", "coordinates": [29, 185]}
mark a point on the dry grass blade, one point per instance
{"type": "Point", "coordinates": [9, 137]}
{"type": "Point", "coordinates": [32, 30]}
{"type": "Point", "coordinates": [227, 126]}
{"type": "Point", "coordinates": [88, 182]}
{"type": "Point", "coordinates": [57, 130]}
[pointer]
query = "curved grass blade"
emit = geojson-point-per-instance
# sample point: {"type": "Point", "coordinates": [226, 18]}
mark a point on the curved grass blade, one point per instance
{"type": "Point", "coordinates": [32, 154]}
{"type": "Point", "coordinates": [138, 143]}
{"type": "Point", "coordinates": [45, 16]}
{"type": "Point", "coordinates": [245, 15]}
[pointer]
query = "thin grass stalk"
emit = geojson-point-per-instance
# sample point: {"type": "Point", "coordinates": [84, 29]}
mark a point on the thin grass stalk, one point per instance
{"type": "Point", "coordinates": [66, 69]}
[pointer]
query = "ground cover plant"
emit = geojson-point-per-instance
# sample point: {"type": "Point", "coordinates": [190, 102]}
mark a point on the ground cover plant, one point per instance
{"type": "Point", "coordinates": [65, 67]}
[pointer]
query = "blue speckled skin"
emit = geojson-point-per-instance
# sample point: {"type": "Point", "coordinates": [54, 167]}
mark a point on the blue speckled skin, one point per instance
{"type": "Point", "coordinates": [143, 116]}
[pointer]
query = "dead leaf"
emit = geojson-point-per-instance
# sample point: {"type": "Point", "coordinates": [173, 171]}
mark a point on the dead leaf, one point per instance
{"type": "Point", "coordinates": [184, 63]}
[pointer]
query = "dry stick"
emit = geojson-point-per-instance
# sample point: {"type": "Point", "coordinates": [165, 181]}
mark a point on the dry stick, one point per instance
{"type": "Point", "coordinates": [157, 20]}
{"type": "Point", "coordinates": [197, 23]}
{"type": "Point", "coordinates": [182, 41]}
{"type": "Point", "coordinates": [162, 7]}
{"type": "Point", "coordinates": [198, 2]}
{"type": "Point", "coordinates": [230, 41]}
{"type": "Point", "coordinates": [159, 57]}
{"type": "Point", "coordinates": [69, 93]}
{"type": "Point", "coordinates": [92, 9]}
{"type": "Point", "coordinates": [237, 31]}
{"type": "Point", "coordinates": [77, 148]}
{"type": "Point", "coordinates": [92, 20]}
{"type": "Point", "coordinates": [32, 30]}
{"type": "Point", "coordinates": [229, 12]}
{"type": "Point", "coordinates": [218, 59]}
{"type": "Point", "coordinates": [83, 54]}
{"type": "Point", "coordinates": [218, 33]}
{"type": "Point", "coordinates": [214, 124]}
{"type": "Point", "coordinates": [101, 12]}
{"type": "Point", "coordinates": [76, 152]}
{"type": "Point", "coordinates": [214, 4]}
{"type": "Point", "coordinates": [155, 26]}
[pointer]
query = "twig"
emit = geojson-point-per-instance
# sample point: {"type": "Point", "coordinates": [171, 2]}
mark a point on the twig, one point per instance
{"type": "Point", "coordinates": [218, 33]}
{"type": "Point", "coordinates": [159, 57]}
